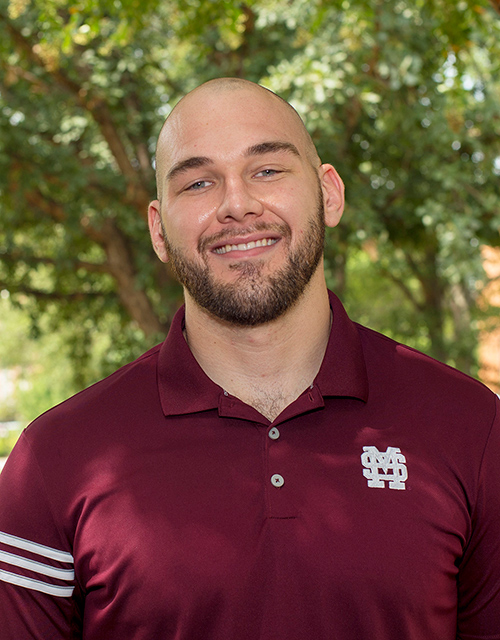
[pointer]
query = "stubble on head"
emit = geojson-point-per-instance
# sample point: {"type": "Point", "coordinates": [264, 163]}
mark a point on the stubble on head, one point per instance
{"type": "Point", "coordinates": [218, 86]}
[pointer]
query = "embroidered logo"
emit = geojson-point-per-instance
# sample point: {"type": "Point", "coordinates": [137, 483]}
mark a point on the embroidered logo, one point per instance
{"type": "Point", "coordinates": [384, 466]}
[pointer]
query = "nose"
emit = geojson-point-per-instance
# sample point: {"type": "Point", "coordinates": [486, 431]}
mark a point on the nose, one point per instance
{"type": "Point", "coordinates": [238, 202]}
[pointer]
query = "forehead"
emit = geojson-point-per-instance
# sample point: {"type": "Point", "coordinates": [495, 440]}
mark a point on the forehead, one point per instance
{"type": "Point", "coordinates": [222, 125]}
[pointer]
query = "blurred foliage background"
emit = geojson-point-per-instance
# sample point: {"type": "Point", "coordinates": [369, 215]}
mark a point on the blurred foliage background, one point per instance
{"type": "Point", "coordinates": [402, 96]}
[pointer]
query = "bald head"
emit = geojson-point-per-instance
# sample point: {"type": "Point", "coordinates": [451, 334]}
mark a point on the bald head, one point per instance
{"type": "Point", "coordinates": [228, 98]}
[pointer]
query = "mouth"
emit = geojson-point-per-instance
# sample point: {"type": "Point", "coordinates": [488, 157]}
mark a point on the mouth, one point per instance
{"type": "Point", "coordinates": [245, 246]}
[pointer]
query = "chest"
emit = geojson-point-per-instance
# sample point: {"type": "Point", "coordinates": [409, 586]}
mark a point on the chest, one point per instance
{"type": "Point", "coordinates": [249, 526]}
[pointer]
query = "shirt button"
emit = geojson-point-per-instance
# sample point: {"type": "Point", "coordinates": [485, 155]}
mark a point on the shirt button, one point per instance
{"type": "Point", "coordinates": [274, 433]}
{"type": "Point", "coordinates": [277, 480]}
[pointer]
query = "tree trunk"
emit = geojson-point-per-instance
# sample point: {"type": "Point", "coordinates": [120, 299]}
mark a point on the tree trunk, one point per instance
{"type": "Point", "coordinates": [121, 267]}
{"type": "Point", "coordinates": [433, 307]}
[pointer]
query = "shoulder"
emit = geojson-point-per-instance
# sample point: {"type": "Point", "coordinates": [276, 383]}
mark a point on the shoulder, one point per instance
{"type": "Point", "coordinates": [412, 378]}
{"type": "Point", "coordinates": [109, 402]}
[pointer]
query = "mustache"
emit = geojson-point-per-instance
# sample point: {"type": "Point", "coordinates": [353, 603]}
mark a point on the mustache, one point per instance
{"type": "Point", "coordinates": [227, 234]}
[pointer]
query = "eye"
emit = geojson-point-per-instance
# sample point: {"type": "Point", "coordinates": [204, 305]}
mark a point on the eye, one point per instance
{"type": "Point", "coordinates": [200, 184]}
{"type": "Point", "coordinates": [267, 173]}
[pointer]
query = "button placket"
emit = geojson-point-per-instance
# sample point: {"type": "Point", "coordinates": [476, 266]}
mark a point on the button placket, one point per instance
{"type": "Point", "coordinates": [279, 486]}
{"type": "Point", "coordinates": [277, 479]}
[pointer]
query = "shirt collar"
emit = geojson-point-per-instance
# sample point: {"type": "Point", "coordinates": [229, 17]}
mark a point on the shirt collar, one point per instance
{"type": "Point", "coordinates": [343, 370]}
{"type": "Point", "coordinates": [185, 388]}
{"type": "Point", "coordinates": [182, 384]}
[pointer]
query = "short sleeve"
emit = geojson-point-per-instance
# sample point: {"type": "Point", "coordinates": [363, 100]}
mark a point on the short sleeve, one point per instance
{"type": "Point", "coordinates": [36, 563]}
{"type": "Point", "coordinates": [479, 570]}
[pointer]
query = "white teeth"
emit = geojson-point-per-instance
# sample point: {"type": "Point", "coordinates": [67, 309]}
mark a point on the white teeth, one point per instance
{"type": "Point", "coordinates": [265, 242]}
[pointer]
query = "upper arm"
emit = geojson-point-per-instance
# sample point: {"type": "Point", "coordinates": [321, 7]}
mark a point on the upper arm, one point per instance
{"type": "Point", "coordinates": [479, 570]}
{"type": "Point", "coordinates": [36, 563]}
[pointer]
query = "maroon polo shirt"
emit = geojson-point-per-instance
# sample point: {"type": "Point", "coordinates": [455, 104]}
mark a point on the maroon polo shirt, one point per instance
{"type": "Point", "coordinates": [153, 505]}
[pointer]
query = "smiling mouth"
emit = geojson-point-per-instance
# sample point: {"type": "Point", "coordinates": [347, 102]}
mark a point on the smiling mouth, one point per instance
{"type": "Point", "coordinates": [245, 246]}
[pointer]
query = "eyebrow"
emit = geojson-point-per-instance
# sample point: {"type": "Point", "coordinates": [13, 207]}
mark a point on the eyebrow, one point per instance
{"type": "Point", "coordinates": [189, 163]}
{"type": "Point", "coordinates": [256, 150]}
{"type": "Point", "coordinates": [272, 147]}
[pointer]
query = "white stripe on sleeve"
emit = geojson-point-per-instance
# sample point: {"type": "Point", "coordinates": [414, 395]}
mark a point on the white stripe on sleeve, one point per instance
{"type": "Point", "coordinates": [37, 567]}
{"type": "Point", "coordinates": [34, 547]}
{"type": "Point", "coordinates": [41, 568]}
{"type": "Point", "coordinates": [36, 585]}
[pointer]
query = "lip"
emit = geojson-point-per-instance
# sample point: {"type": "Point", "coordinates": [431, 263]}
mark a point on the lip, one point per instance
{"type": "Point", "coordinates": [246, 239]}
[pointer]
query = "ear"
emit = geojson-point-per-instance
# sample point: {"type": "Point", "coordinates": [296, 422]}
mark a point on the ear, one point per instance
{"type": "Point", "coordinates": [156, 231]}
{"type": "Point", "coordinates": [333, 194]}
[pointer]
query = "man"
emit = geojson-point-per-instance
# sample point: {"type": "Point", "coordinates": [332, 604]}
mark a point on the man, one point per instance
{"type": "Point", "coordinates": [273, 470]}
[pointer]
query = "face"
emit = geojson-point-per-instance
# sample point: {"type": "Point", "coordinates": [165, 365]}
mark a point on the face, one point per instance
{"type": "Point", "coordinates": [254, 297]}
{"type": "Point", "coordinates": [242, 212]}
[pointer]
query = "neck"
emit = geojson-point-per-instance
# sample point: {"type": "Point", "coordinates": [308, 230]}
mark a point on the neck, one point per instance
{"type": "Point", "coordinates": [266, 366]}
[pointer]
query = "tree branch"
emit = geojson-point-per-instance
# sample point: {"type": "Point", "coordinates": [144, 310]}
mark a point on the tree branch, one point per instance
{"type": "Point", "coordinates": [18, 256]}
{"type": "Point", "coordinates": [14, 72]}
{"type": "Point", "coordinates": [137, 193]}
{"type": "Point", "coordinates": [404, 288]}
{"type": "Point", "coordinates": [76, 296]}
{"type": "Point", "coordinates": [496, 5]}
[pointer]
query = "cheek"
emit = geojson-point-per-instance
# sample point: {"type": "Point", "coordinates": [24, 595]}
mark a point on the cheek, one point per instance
{"type": "Point", "coordinates": [205, 215]}
{"type": "Point", "coordinates": [293, 205]}
{"type": "Point", "coordinates": [186, 224]}
{"type": "Point", "coordinates": [294, 194]}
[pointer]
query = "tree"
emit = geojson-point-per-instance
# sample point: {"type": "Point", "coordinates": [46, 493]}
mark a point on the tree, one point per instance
{"type": "Point", "coordinates": [409, 93]}
{"type": "Point", "coordinates": [402, 97]}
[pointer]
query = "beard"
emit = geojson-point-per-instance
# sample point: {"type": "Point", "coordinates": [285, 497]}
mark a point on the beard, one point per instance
{"type": "Point", "coordinates": [253, 298]}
